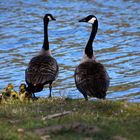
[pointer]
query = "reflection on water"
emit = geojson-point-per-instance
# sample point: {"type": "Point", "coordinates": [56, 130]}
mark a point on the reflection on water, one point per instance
{"type": "Point", "coordinates": [116, 44]}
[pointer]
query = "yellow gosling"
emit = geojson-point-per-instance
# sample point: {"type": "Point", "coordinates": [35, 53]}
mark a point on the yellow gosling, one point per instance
{"type": "Point", "coordinates": [23, 94]}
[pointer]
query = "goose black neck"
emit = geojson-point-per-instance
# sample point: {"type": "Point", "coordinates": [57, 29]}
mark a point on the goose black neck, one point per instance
{"type": "Point", "coordinates": [89, 49]}
{"type": "Point", "coordinates": [46, 42]}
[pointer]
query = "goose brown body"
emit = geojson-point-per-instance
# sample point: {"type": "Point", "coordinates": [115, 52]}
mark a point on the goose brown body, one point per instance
{"type": "Point", "coordinates": [91, 77]}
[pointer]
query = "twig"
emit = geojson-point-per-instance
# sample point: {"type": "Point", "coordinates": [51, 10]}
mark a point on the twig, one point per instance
{"type": "Point", "coordinates": [56, 115]}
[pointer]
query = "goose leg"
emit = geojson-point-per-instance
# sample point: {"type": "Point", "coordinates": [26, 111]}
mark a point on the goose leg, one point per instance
{"type": "Point", "coordinates": [104, 98]}
{"type": "Point", "coordinates": [85, 96]}
{"type": "Point", "coordinates": [33, 95]}
{"type": "Point", "coordinates": [50, 88]}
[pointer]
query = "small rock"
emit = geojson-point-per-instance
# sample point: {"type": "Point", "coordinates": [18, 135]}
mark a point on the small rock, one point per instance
{"type": "Point", "coordinates": [20, 130]}
{"type": "Point", "coordinates": [46, 137]}
{"type": "Point", "coordinates": [119, 138]}
{"type": "Point", "coordinates": [88, 138]}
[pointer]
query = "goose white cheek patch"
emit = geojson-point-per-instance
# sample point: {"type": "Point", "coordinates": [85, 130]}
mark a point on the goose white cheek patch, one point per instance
{"type": "Point", "coordinates": [92, 20]}
{"type": "Point", "coordinates": [49, 18]}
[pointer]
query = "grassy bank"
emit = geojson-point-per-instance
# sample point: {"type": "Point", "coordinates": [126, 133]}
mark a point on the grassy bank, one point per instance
{"type": "Point", "coordinates": [85, 120]}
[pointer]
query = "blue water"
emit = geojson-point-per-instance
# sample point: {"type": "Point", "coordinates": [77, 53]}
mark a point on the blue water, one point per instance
{"type": "Point", "coordinates": [116, 45]}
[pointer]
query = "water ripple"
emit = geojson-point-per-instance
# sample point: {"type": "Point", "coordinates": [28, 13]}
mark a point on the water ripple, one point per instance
{"type": "Point", "coordinates": [116, 44]}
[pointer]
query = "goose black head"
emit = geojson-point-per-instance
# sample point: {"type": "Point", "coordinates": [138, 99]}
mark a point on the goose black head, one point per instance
{"type": "Point", "coordinates": [48, 17]}
{"type": "Point", "coordinates": [90, 19]}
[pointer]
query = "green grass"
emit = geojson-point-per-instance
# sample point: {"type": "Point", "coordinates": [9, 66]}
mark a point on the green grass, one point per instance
{"type": "Point", "coordinates": [97, 120]}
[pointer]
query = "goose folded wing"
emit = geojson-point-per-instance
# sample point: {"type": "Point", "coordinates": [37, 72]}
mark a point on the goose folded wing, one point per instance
{"type": "Point", "coordinates": [41, 71]}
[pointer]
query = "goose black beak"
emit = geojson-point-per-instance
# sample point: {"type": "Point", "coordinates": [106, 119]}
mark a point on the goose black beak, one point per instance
{"type": "Point", "coordinates": [53, 18]}
{"type": "Point", "coordinates": [82, 20]}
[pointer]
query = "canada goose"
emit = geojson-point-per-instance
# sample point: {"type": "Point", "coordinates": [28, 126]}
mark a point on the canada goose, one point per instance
{"type": "Point", "coordinates": [91, 78]}
{"type": "Point", "coordinates": [42, 69]}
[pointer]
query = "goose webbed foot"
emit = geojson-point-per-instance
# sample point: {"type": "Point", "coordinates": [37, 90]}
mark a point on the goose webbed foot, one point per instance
{"type": "Point", "coordinates": [49, 96]}
{"type": "Point", "coordinates": [104, 98]}
{"type": "Point", "coordinates": [86, 98]}
{"type": "Point", "coordinates": [34, 97]}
